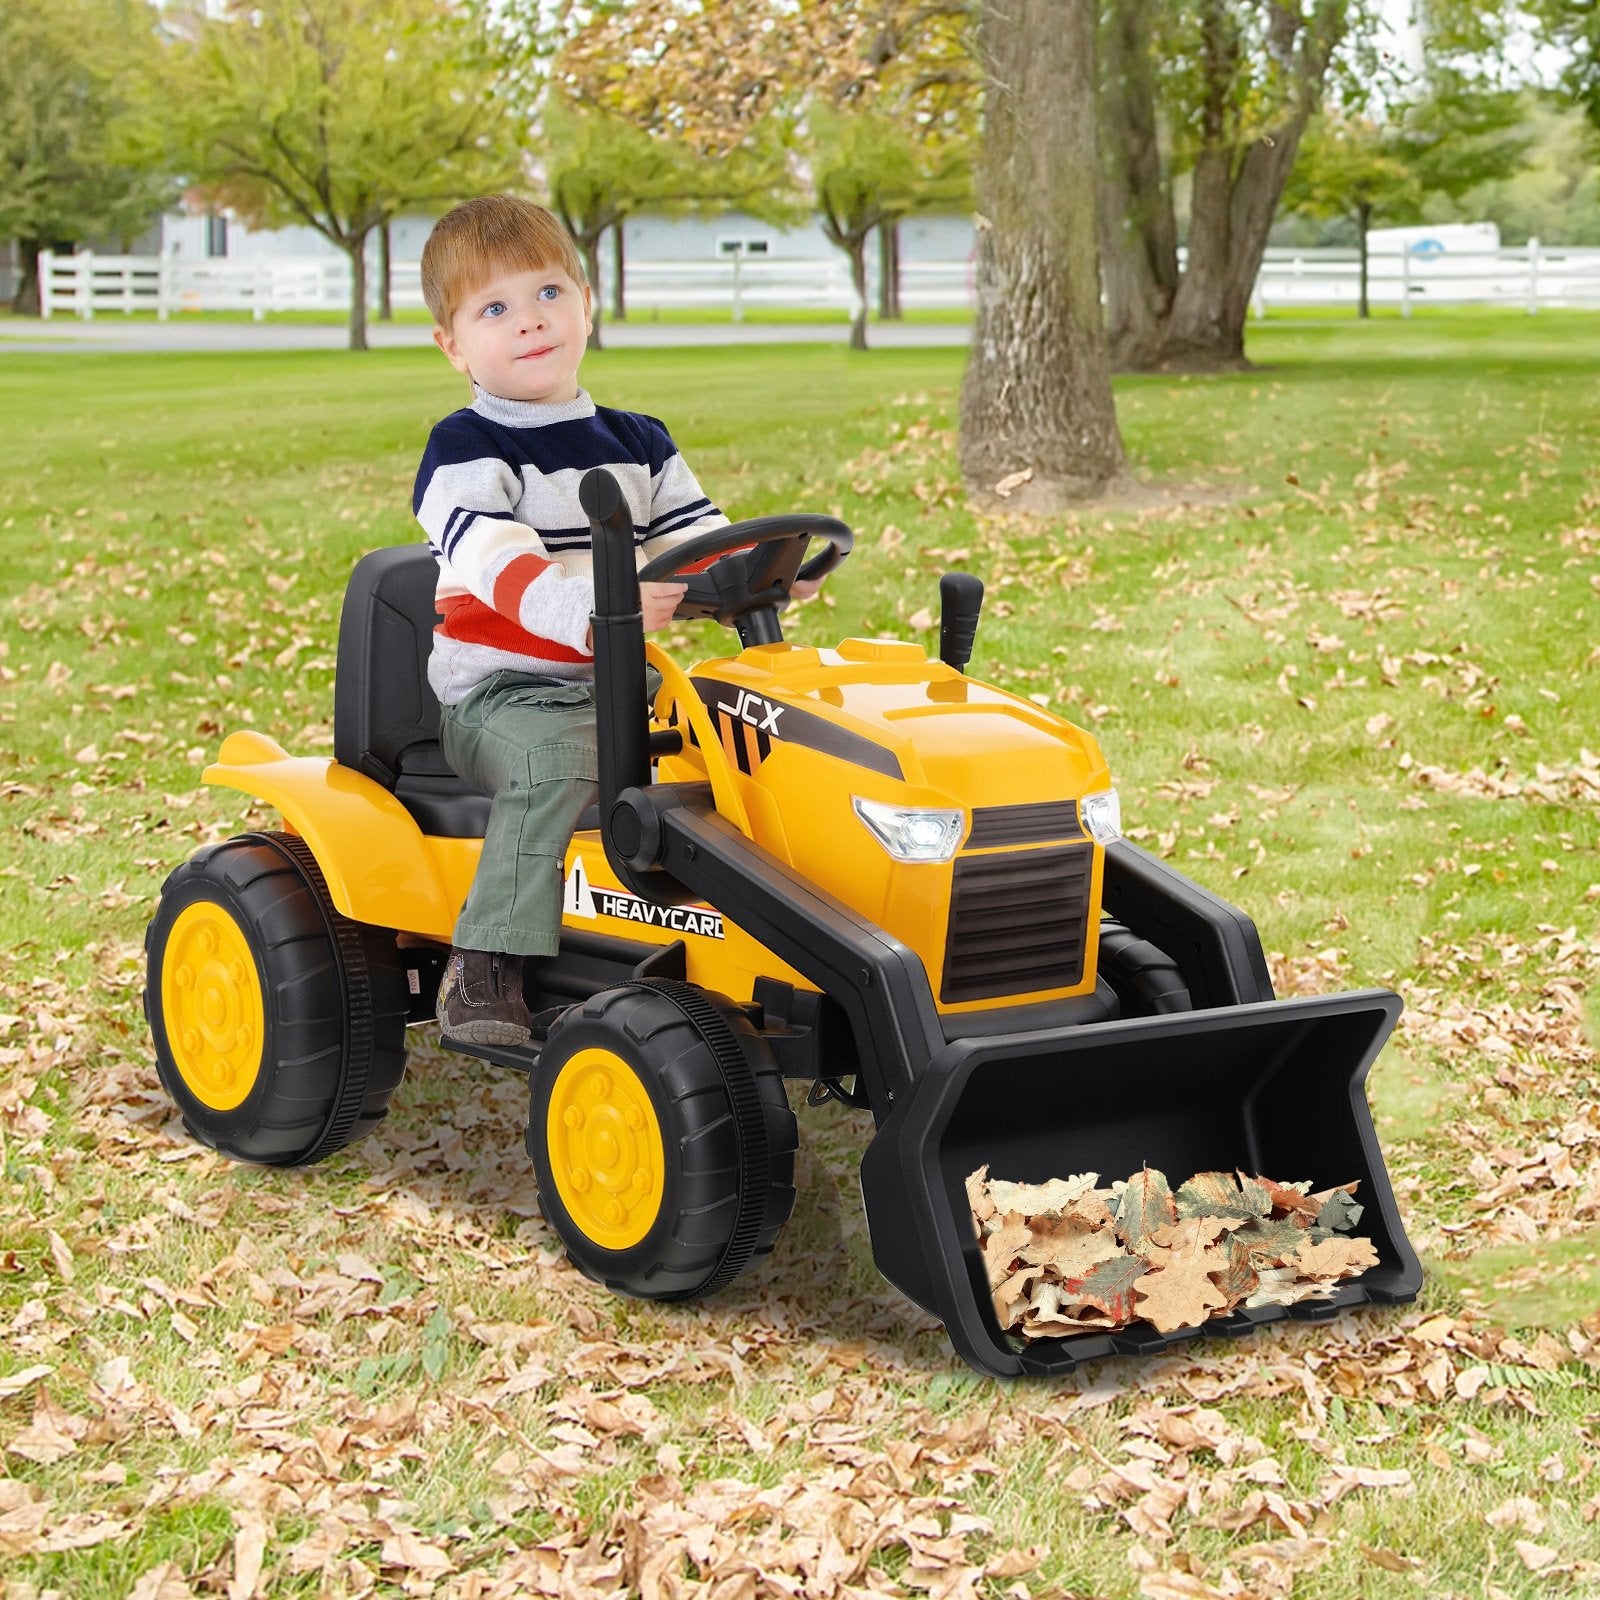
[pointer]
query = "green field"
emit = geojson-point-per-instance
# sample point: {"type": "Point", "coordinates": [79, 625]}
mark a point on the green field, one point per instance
{"type": "Point", "coordinates": [1338, 643]}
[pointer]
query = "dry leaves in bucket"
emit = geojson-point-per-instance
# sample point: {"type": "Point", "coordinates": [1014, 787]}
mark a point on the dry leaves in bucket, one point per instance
{"type": "Point", "coordinates": [1065, 1257]}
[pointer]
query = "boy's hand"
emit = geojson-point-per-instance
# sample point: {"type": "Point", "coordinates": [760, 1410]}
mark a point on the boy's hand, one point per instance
{"type": "Point", "coordinates": [657, 602]}
{"type": "Point", "coordinates": [804, 588]}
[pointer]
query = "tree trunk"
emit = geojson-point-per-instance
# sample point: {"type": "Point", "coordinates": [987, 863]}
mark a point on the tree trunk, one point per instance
{"type": "Point", "coordinates": [1363, 223]}
{"type": "Point", "coordinates": [1036, 398]}
{"type": "Point", "coordinates": [856, 244]}
{"type": "Point", "coordinates": [25, 302]}
{"type": "Point", "coordinates": [385, 271]}
{"type": "Point", "coordinates": [1199, 322]}
{"type": "Point", "coordinates": [1232, 217]}
{"type": "Point", "coordinates": [619, 285]}
{"type": "Point", "coordinates": [889, 309]}
{"type": "Point", "coordinates": [356, 248]}
{"type": "Point", "coordinates": [589, 244]}
{"type": "Point", "coordinates": [1139, 231]}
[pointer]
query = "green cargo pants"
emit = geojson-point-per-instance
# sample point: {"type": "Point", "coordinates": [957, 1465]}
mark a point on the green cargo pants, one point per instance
{"type": "Point", "coordinates": [529, 742]}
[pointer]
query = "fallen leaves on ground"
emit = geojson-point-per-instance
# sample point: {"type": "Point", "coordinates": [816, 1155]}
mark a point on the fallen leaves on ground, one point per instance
{"type": "Point", "coordinates": [1066, 1257]}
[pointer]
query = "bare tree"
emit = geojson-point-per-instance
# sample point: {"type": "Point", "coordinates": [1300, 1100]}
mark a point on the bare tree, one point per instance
{"type": "Point", "coordinates": [1037, 415]}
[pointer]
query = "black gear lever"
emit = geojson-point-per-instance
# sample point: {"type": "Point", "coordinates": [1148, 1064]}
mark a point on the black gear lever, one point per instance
{"type": "Point", "coordinates": [960, 601]}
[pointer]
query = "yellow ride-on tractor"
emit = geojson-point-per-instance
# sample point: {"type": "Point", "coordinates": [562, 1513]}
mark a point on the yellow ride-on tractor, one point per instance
{"type": "Point", "coordinates": [857, 868]}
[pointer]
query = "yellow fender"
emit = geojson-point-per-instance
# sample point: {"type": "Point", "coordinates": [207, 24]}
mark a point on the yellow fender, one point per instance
{"type": "Point", "coordinates": [377, 861]}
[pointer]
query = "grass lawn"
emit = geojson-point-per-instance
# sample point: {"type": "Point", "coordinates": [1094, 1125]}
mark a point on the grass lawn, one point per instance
{"type": "Point", "coordinates": [1339, 647]}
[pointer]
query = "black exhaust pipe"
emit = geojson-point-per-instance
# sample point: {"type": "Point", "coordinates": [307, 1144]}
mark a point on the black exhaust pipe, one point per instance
{"type": "Point", "coordinates": [630, 804]}
{"type": "Point", "coordinates": [622, 726]}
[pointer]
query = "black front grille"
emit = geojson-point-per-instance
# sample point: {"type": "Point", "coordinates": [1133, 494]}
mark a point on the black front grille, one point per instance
{"type": "Point", "coordinates": [1036, 824]}
{"type": "Point", "coordinates": [1017, 923]}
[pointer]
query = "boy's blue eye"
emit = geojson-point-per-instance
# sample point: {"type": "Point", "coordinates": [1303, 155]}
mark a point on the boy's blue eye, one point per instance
{"type": "Point", "coordinates": [550, 291]}
{"type": "Point", "coordinates": [494, 308]}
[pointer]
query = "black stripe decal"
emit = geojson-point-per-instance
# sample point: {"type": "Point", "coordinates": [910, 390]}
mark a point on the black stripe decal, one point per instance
{"type": "Point", "coordinates": [780, 722]}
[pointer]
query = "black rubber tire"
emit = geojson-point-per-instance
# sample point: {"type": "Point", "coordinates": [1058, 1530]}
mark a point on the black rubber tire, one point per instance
{"type": "Point", "coordinates": [1146, 979]}
{"type": "Point", "coordinates": [728, 1136]}
{"type": "Point", "coordinates": [334, 1000]}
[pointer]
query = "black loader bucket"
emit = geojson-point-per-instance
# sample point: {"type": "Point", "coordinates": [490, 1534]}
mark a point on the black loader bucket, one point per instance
{"type": "Point", "coordinates": [1272, 1088]}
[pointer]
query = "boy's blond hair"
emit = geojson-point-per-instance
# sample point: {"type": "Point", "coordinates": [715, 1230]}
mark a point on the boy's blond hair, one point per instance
{"type": "Point", "coordinates": [496, 233]}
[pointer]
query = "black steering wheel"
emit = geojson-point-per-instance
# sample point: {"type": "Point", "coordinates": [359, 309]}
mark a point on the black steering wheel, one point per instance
{"type": "Point", "coordinates": [746, 587]}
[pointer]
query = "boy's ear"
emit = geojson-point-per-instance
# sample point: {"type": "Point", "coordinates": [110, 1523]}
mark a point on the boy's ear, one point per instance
{"type": "Point", "coordinates": [452, 351]}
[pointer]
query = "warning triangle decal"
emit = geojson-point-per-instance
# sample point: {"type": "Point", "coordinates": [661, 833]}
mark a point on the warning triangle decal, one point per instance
{"type": "Point", "coordinates": [578, 901]}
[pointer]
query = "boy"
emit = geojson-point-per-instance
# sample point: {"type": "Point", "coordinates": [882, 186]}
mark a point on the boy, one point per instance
{"type": "Point", "coordinates": [497, 494]}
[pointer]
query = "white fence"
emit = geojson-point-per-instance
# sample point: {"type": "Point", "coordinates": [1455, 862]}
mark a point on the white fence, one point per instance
{"type": "Point", "coordinates": [1530, 277]}
{"type": "Point", "coordinates": [83, 284]}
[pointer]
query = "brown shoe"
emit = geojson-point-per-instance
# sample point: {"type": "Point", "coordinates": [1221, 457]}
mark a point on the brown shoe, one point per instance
{"type": "Point", "coordinates": [480, 999]}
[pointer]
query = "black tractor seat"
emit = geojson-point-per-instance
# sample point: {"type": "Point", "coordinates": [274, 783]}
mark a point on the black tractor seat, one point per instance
{"type": "Point", "coordinates": [385, 715]}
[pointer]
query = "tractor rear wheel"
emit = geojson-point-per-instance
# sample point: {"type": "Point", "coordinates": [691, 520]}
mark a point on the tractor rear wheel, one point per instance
{"type": "Point", "coordinates": [662, 1140]}
{"type": "Point", "coordinates": [279, 1025]}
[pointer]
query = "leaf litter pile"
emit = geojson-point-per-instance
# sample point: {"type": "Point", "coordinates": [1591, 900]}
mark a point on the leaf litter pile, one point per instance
{"type": "Point", "coordinates": [1065, 1257]}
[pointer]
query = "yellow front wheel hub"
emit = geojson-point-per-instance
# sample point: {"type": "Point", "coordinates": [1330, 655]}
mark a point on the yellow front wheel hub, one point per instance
{"type": "Point", "coordinates": [212, 1005]}
{"type": "Point", "coordinates": [605, 1147]}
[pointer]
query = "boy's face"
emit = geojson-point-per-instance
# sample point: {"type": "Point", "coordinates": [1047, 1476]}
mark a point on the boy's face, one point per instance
{"type": "Point", "coordinates": [521, 335]}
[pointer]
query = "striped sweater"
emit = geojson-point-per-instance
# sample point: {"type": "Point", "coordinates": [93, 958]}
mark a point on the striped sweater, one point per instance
{"type": "Point", "coordinates": [497, 496]}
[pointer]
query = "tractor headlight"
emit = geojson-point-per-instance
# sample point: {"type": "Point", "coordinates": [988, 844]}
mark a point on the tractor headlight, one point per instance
{"type": "Point", "coordinates": [912, 833]}
{"type": "Point", "coordinates": [1102, 815]}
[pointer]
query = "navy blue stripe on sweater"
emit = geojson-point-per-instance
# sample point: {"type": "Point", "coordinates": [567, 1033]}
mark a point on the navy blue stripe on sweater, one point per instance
{"type": "Point", "coordinates": [461, 519]}
{"type": "Point", "coordinates": [697, 507]}
{"type": "Point", "coordinates": [574, 445]}
{"type": "Point", "coordinates": [680, 519]}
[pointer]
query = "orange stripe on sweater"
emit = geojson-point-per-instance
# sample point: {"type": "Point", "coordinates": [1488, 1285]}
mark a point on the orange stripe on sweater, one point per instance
{"type": "Point", "coordinates": [468, 619]}
{"type": "Point", "coordinates": [513, 583]}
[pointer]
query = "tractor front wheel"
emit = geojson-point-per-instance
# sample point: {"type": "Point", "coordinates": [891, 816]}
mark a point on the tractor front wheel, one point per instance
{"type": "Point", "coordinates": [662, 1140]}
{"type": "Point", "coordinates": [279, 1025]}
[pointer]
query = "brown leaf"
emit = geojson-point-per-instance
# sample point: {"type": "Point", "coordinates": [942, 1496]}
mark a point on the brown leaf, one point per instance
{"type": "Point", "coordinates": [1177, 1296]}
{"type": "Point", "coordinates": [1193, 1239]}
{"type": "Point", "coordinates": [1219, 1194]}
{"type": "Point", "coordinates": [1238, 1278]}
{"type": "Point", "coordinates": [1390, 1560]}
{"type": "Point", "coordinates": [978, 1195]}
{"type": "Point", "coordinates": [320, 1548]}
{"type": "Point", "coordinates": [1070, 1252]}
{"type": "Point", "coordinates": [1342, 1479]}
{"type": "Point", "coordinates": [406, 1550]}
{"type": "Point", "coordinates": [1535, 1557]}
{"type": "Point", "coordinates": [15, 1382]}
{"type": "Point", "coordinates": [1002, 1247]}
{"type": "Point", "coordinates": [1289, 1200]}
{"type": "Point", "coordinates": [1050, 1314]}
{"type": "Point", "coordinates": [1520, 1512]}
{"type": "Point", "coordinates": [1010, 1295]}
{"type": "Point", "coordinates": [165, 1582]}
{"type": "Point", "coordinates": [1041, 1199]}
{"type": "Point", "coordinates": [1109, 1287]}
{"type": "Point", "coordinates": [1334, 1258]}
{"type": "Point", "coordinates": [1144, 1205]}
{"type": "Point", "coordinates": [1283, 1286]}
{"type": "Point", "coordinates": [1271, 1241]}
{"type": "Point", "coordinates": [249, 1554]}
{"type": "Point", "coordinates": [52, 1434]}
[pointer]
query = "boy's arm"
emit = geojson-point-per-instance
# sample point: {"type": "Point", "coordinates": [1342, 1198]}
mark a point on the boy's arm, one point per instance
{"type": "Point", "coordinates": [679, 507]}
{"type": "Point", "coordinates": [464, 500]}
